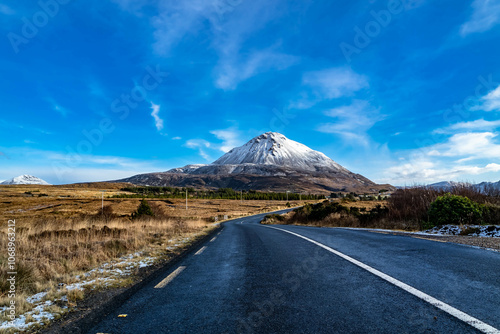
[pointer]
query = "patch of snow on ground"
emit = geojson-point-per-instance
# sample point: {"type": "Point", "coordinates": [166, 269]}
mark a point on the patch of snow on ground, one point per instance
{"type": "Point", "coordinates": [471, 230]}
{"type": "Point", "coordinates": [491, 231]}
{"type": "Point", "coordinates": [111, 271]}
{"type": "Point", "coordinates": [36, 298]}
{"type": "Point", "coordinates": [38, 314]}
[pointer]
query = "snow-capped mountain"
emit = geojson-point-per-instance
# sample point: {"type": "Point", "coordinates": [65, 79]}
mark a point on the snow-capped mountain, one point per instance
{"type": "Point", "coordinates": [26, 179]}
{"type": "Point", "coordinates": [272, 148]}
{"type": "Point", "coordinates": [269, 162]}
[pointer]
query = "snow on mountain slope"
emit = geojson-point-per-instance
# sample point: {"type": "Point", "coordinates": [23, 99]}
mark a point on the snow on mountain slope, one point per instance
{"type": "Point", "coordinates": [26, 179]}
{"type": "Point", "coordinates": [445, 185]}
{"type": "Point", "coordinates": [269, 162]}
{"type": "Point", "coordinates": [272, 148]}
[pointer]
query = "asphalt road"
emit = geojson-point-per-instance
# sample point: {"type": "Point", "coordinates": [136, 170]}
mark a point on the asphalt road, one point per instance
{"type": "Point", "coordinates": [257, 279]}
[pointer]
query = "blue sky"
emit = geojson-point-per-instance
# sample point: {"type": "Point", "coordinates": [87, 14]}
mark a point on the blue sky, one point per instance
{"type": "Point", "coordinates": [402, 92]}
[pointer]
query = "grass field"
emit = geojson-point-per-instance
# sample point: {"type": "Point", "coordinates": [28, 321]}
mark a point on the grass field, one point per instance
{"type": "Point", "coordinates": [61, 234]}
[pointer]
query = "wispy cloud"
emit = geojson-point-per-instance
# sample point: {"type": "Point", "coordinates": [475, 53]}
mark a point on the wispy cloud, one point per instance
{"type": "Point", "coordinates": [335, 82]}
{"type": "Point", "coordinates": [490, 102]}
{"type": "Point", "coordinates": [177, 19]}
{"type": "Point", "coordinates": [230, 27]}
{"type": "Point", "coordinates": [236, 68]}
{"type": "Point", "coordinates": [230, 138]}
{"type": "Point", "coordinates": [176, 138]}
{"type": "Point", "coordinates": [460, 156]}
{"type": "Point", "coordinates": [425, 170]}
{"type": "Point", "coordinates": [352, 122]}
{"type": "Point", "coordinates": [473, 145]}
{"type": "Point", "coordinates": [155, 114]}
{"type": "Point", "coordinates": [477, 125]}
{"type": "Point", "coordinates": [201, 145]}
{"type": "Point", "coordinates": [485, 15]}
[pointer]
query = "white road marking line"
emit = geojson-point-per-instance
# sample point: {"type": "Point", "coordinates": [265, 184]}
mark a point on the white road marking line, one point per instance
{"type": "Point", "coordinates": [213, 239]}
{"type": "Point", "coordinates": [200, 250]}
{"type": "Point", "coordinates": [476, 323]}
{"type": "Point", "coordinates": [170, 277]}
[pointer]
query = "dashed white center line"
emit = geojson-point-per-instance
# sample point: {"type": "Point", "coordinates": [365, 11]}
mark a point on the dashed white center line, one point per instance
{"type": "Point", "coordinates": [213, 239]}
{"type": "Point", "coordinates": [478, 324]}
{"type": "Point", "coordinates": [170, 277]}
{"type": "Point", "coordinates": [200, 250]}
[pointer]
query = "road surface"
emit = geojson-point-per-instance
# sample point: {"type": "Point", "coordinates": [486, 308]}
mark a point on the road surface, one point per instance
{"type": "Point", "coordinates": [252, 278]}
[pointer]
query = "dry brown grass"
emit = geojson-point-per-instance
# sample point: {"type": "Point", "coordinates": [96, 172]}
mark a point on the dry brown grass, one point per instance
{"type": "Point", "coordinates": [59, 233]}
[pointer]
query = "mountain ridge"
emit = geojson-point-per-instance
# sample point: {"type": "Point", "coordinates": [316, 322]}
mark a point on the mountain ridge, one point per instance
{"type": "Point", "coordinates": [25, 179]}
{"type": "Point", "coordinates": [268, 162]}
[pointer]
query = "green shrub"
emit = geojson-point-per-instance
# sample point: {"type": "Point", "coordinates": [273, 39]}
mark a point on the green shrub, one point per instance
{"type": "Point", "coordinates": [454, 209]}
{"type": "Point", "coordinates": [143, 210]}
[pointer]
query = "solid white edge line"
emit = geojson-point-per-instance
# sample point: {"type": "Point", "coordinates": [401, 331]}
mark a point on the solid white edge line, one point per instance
{"type": "Point", "coordinates": [200, 250]}
{"type": "Point", "coordinates": [476, 323]}
{"type": "Point", "coordinates": [170, 277]}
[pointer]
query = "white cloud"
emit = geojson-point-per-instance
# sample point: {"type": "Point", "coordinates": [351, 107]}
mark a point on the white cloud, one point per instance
{"type": "Point", "coordinates": [335, 82]}
{"type": "Point", "coordinates": [485, 15]}
{"type": "Point", "coordinates": [201, 145]}
{"type": "Point", "coordinates": [460, 157]}
{"type": "Point", "coordinates": [233, 69]}
{"type": "Point", "coordinates": [477, 125]}
{"type": "Point", "coordinates": [231, 23]}
{"type": "Point", "coordinates": [352, 122]}
{"type": "Point", "coordinates": [158, 120]}
{"type": "Point", "coordinates": [491, 101]}
{"type": "Point", "coordinates": [474, 145]}
{"type": "Point", "coordinates": [422, 170]}
{"type": "Point", "coordinates": [176, 19]}
{"type": "Point", "coordinates": [230, 138]}
{"type": "Point", "coordinates": [176, 138]}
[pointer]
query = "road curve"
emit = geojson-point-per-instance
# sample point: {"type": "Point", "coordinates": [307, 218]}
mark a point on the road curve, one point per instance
{"type": "Point", "coordinates": [253, 278]}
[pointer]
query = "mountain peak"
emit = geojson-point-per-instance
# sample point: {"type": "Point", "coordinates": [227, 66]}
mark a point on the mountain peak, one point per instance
{"type": "Point", "coordinates": [26, 179]}
{"type": "Point", "coordinates": [273, 148]}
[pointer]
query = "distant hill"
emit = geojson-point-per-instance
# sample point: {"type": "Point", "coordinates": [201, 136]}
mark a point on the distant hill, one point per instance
{"type": "Point", "coordinates": [25, 179]}
{"type": "Point", "coordinates": [483, 186]}
{"type": "Point", "coordinates": [269, 162]}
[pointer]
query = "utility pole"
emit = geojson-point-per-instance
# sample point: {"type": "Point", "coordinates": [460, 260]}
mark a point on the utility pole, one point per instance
{"type": "Point", "coordinates": [241, 196]}
{"type": "Point", "coordinates": [102, 201]}
{"type": "Point", "coordinates": [186, 198]}
{"type": "Point", "coordinates": [287, 195]}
